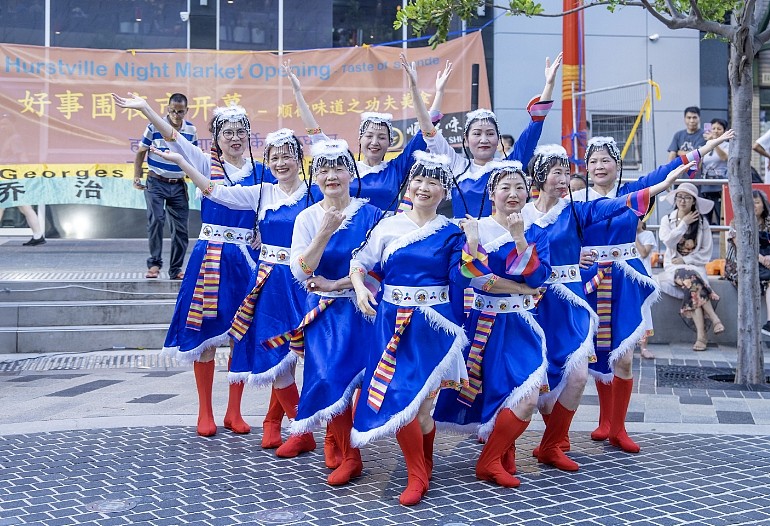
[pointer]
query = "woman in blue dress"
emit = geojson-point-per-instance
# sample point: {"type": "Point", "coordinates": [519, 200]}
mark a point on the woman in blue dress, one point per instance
{"type": "Point", "coordinates": [330, 333]}
{"type": "Point", "coordinates": [568, 320]}
{"type": "Point", "coordinates": [482, 134]}
{"type": "Point", "coordinates": [617, 283]}
{"type": "Point", "coordinates": [507, 360]}
{"type": "Point", "coordinates": [380, 180]}
{"type": "Point", "coordinates": [418, 342]}
{"type": "Point", "coordinates": [276, 302]}
{"type": "Point", "coordinates": [223, 254]}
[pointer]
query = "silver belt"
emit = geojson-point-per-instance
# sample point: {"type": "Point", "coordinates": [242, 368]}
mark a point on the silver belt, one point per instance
{"type": "Point", "coordinates": [274, 254]}
{"type": "Point", "coordinates": [226, 234]}
{"type": "Point", "coordinates": [605, 253]}
{"type": "Point", "coordinates": [415, 296]}
{"type": "Point", "coordinates": [503, 304]}
{"type": "Point", "coordinates": [564, 274]}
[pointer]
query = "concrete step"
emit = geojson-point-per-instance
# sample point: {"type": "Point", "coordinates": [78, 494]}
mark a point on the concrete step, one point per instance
{"type": "Point", "coordinates": [81, 338]}
{"type": "Point", "coordinates": [94, 312]}
{"type": "Point", "coordinates": [86, 289]}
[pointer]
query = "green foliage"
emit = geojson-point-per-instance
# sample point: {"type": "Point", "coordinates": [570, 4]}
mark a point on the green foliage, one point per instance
{"type": "Point", "coordinates": [422, 15]}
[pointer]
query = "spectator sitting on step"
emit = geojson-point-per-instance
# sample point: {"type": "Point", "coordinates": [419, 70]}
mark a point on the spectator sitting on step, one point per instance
{"type": "Point", "coordinates": [762, 215]}
{"type": "Point", "coordinates": [687, 236]}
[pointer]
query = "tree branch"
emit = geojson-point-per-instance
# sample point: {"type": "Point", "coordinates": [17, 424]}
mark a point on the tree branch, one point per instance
{"type": "Point", "coordinates": [690, 22]}
{"type": "Point", "coordinates": [629, 3]}
{"type": "Point", "coordinates": [694, 10]}
{"type": "Point", "coordinates": [673, 10]}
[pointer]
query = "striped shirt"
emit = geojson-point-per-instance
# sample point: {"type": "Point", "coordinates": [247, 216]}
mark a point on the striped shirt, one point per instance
{"type": "Point", "coordinates": [152, 137]}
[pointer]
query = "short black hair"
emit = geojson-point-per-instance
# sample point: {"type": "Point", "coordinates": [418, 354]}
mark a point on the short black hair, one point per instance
{"type": "Point", "coordinates": [506, 138]}
{"type": "Point", "coordinates": [692, 109]}
{"type": "Point", "coordinates": [722, 122]}
{"type": "Point", "coordinates": [177, 97]}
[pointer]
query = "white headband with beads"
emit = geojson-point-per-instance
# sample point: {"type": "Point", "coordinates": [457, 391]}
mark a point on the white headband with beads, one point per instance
{"type": "Point", "coordinates": [480, 114]}
{"type": "Point", "coordinates": [332, 150]}
{"type": "Point", "coordinates": [543, 156]}
{"type": "Point", "coordinates": [371, 117]}
{"type": "Point", "coordinates": [495, 167]}
{"type": "Point", "coordinates": [280, 138]}
{"type": "Point", "coordinates": [436, 166]}
{"type": "Point", "coordinates": [597, 143]}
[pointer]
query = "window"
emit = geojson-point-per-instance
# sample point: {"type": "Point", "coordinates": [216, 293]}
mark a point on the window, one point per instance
{"type": "Point", "coordinates": [619, 127]}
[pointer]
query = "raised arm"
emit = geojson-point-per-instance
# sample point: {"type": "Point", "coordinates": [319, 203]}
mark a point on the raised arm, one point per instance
{"type": "Point", "coordinates": [135, 102]}
{"type": "Point", "coordinates": [550, 76]}
{"type": "Point", "coordinates": [441, 79]}
{"type": "Point", "coordinates": [423, 117]}
{"type": "Point", "coordinates": [308, 119]}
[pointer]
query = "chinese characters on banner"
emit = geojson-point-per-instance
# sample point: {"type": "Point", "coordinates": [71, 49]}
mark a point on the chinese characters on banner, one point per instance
{"type": "Point", "coordinates": [65, 141]}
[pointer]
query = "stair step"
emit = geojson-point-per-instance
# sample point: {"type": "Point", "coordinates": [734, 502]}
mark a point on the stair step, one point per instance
{"type": "Point", "coordinates": [95, 312]}
{"type": "Point", "coordinates": [64, 290]}
{"type": "Point", "coordinates": [81, 338]}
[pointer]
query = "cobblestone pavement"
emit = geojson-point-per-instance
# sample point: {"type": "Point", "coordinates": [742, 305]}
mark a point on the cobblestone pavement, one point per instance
{"type": "Point", "coordinates": [109, 440]}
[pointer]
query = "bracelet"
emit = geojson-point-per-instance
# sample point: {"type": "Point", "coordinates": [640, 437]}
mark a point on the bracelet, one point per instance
{"type": "Point", "coordinates": [490, 282]}
{"type": "Point", "coordinates": [207, 191]}
{"type": "Point", "coordinates": [313, 131]}
{"type": "Point", "coordinates": [356, 270]}
{"type": "Point", "coordinates": [430, 134]}
{"type": "Point", "coordinates": [305, 268]}
{"type": "Point", "coordinates": [173, 136]}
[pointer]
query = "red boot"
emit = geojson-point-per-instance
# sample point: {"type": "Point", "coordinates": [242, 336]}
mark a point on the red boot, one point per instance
{"type": "Point", "coordinates": [410, 440]}
{"type": "Point", "coordinates": [332, 452]}
{"type": "Point", "coordinates": [550, 453]}
{"type": "Point", "coordinates": [621, 390]}
{"type": "Point", "coordinates": [427, 450]}
{"type": "Point", "coordinates": [296, 444]}
{"type": "Point", "coordinates": [509, 460]}
{"type": "Point", "coordinates": [605, 411]}
{"type": "Point", "coordinates": [204, 380]}
{"type": "Point", "coordinates": [564, 445]}
{"type": "Point", "coordinates": [271, 425]}
{"type": "Point", "coordinates": [351, 465]}
{"type": "Point", "coordinates": [233, 419]}
{"type": "Point", "coordinates": [489, 466]}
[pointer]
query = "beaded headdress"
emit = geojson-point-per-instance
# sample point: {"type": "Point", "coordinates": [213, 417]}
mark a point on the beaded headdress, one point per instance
{"type": "Point", "coordinates": [371, 117]}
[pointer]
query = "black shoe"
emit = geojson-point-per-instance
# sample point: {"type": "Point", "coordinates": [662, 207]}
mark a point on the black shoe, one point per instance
{"type": "Point", "coordinates": [34, 242]}
{"type": "Point", "coordinates": [766, 328]}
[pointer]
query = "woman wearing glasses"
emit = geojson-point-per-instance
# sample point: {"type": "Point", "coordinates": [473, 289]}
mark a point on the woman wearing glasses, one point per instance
{"type": "Point", "coordinates": [686, 234]}
{"type": "Point", "coordinates": [224, 253]}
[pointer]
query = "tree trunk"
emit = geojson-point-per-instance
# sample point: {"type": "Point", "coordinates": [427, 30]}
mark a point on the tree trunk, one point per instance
{"type": "Point", "coordinates": [750, 367]}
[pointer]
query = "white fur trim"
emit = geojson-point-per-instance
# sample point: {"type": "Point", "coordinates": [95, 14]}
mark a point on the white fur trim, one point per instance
{"type": "Point", "coordinates": [266, 378]}
{"type": "Point", "coordinates": [495, 244]}
{"type": "Point", "coordinates": [433, 382]}
{"type": "Point", "coordinates": [552, 215]}
{"type": "Point", "coordinates": [290, 200]}
{"type": "Point", "coordinates": [307, 425]}
{"type": "Point", "coordinates": [350, 211]}
{"type": "Point", "coordinates": [531, 384]}
{"type": "Point", "coordinates": [245, 251]}
{"type": "Point", "coordinates": [414, 236]}
{"type": "Point", "coordinates": [188, 357]}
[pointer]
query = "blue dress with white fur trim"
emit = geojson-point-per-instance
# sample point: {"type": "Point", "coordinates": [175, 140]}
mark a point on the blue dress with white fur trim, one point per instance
{"type": "Point", "coordinates": [429, 350]}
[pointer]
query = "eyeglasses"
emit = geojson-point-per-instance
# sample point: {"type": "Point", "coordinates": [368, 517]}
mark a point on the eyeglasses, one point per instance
{"type": "Point", "coordinates": [229, 134]}
{"type": "Point", "coordinates": [683, 198]}
{"type": "Point", "coordinates": [177, 112]}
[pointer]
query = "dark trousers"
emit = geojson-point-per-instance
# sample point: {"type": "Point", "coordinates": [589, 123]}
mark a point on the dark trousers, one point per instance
{"type": "Point", "coordinates": [161, 198]}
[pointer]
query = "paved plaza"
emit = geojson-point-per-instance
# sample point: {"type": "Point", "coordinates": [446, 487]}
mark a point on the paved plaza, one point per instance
{"type": "Point", "coordinates": [108, 438]}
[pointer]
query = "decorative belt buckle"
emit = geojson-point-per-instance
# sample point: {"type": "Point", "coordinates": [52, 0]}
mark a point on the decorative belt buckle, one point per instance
{"type": "Point", "coordinates": [421, 296]}
{"type": "Point", "coordinates": [282, 255]}
{"type": "Point", "coordinates": [228, 235]}
{"type": "Point", "coordinates": [396, 296]}
{"type": "Point", "coordinates": [207, 230]}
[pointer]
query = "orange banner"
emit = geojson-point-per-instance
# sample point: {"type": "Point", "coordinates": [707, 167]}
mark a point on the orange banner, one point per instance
{"type": "Point", "coordinates": [56, 105]}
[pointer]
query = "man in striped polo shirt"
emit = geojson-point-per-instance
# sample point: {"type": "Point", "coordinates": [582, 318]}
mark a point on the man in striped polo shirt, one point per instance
{"type": "Point", "coordinates": [165, 191]}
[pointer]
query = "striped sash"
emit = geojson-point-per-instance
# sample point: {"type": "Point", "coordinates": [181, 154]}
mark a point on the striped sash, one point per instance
{"type": "Point", "coordinates": [386, 367]}
{"type": "Point", "coordinates": [245, 314]}
{"type": "Point", "coordinates": [476, 355]}
{"type": "Point", "coordinates": [296, 337]}
{"type": "Point", "coordinates": [205, 298]}
{"type": "Point", "coordinates": [205, 295]}
{"type": "Point", "coordinates": [602, 284]}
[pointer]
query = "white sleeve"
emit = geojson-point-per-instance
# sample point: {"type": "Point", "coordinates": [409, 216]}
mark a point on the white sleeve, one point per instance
{"type": "Point", "coordinates": [191, 153]}
{"type": "Point", "coordinates": [764, 140]}
{"type": "Point", "coordinates": [236, 197]}
{"type": "Point", "coordinates": [304, 231]}
{"type": "Point", "coordinates": [371, 253]}
{"type": "Point", "coordinates": [671, 236]}
{"type": "Point", "coordinates": [439, 145]}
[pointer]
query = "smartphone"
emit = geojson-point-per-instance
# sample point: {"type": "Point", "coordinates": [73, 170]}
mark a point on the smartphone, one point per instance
{"type": "Point", "coordinates": [707, 127]}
